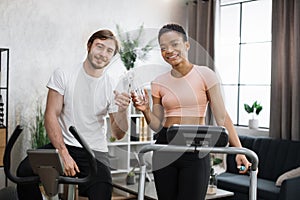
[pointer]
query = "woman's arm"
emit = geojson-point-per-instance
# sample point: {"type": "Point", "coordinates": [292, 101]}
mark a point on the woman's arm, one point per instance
{"type": "Point", "coordinates": [223, 119]}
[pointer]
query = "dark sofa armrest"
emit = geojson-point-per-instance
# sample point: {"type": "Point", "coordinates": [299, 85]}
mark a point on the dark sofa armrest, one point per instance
{"type": "Point", "coordinates": [290, 189]}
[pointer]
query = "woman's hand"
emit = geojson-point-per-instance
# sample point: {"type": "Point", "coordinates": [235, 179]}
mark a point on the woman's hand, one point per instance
{"type": "Point", "coordinates": [140, 99]}
{"type": "Point", "coordinates": [241, 160]}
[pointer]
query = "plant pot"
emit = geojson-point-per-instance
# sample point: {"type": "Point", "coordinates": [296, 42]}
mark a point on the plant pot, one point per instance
{"type": "Point", "coordinates": [211, 189]}
{"type": "Point", "coordinates": [212, 186]}
{"type": "Point", "coordinates": [253, 123]}
{"type": "Point", "coordinates": [130, 180]}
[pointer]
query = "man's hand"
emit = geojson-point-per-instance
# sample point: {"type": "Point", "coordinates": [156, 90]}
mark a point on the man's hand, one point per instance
{"type": "Point", "coordinates": [70, 166]}
{"type": "Point", "coordinates": [122, 100]}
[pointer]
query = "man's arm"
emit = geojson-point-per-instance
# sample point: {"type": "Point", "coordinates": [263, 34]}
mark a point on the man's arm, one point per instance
{"type": "Point", "coordinates": [53, 110]}
{"type": "Point", "coordinates": [119, 124]}
{"type": "Point", "coordinates": [119, 120]}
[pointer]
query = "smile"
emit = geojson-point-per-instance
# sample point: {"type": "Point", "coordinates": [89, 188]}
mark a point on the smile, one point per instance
{"type": "Point", "coordinates": [172, 56]}
{"type": "Point", "coordinates": [99, 59]}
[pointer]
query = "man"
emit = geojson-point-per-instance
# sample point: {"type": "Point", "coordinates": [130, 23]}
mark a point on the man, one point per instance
{"type": "Point", "coordinates": [82, 97]}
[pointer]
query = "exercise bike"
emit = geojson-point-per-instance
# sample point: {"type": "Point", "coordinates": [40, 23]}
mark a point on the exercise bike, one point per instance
{"type": "Point", "coordinates": [48, 167]}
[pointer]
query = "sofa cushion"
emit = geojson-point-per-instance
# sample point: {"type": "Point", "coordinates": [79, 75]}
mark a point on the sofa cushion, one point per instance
{"type": "Point", "coordinates": [276, 157]}
{"type": "Point", "coordinates": [289, 174]}
{"type": "Point", "coordinates": [266, 189]}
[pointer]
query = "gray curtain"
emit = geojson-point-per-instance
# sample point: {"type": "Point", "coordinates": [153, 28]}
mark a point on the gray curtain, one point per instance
{"type": "Point", "coordinates": [285, 84]}
{"type": "Point", "coordinates": [201, 29]}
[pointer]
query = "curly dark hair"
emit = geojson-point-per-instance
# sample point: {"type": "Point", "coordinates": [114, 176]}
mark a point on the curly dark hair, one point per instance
{"type": "Point", "coordinates": [173, 27]}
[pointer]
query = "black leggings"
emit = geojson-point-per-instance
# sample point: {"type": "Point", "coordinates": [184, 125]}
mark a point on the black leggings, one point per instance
{"type": "Point", "coordinates": [100, 187]}
{"type": "Point", "coordinates": [180, 176]}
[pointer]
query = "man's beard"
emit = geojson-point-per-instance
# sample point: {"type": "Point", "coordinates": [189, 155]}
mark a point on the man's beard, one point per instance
{"type": "Point", "coordinates": [95, 64]}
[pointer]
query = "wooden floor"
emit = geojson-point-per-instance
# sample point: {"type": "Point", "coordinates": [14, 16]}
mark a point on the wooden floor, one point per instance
{"type": "Point", "coordinates": [116, 195]}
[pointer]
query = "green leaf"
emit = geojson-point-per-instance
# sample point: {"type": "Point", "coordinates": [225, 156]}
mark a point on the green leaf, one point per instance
{"type": "Point", "coordinates": [131, 173]}
{"type": "Point", "coordinates": [254, 104]}
{"type": "Point", "coordinates": [112, 139]}
{"type": "Point", "coordinates": [129, 47]}
{"type": "Point", "coordinates": [37, 128]}
{"type": "Point", "coordinates": [258, 109]}
{"type": "Point", "coordinates": [255, 108]}
{"type": "Point", "coordinates": [248, 108]}
{"type": "Point", "coordinates": [217, 161]}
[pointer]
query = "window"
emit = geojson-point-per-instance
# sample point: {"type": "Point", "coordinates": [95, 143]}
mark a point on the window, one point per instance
{"type": "Point", "coordinates": [243, 57]}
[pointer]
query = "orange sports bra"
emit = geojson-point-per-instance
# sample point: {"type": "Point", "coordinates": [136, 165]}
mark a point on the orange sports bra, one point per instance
{"type": "Point", "coordinates": [185, 96]}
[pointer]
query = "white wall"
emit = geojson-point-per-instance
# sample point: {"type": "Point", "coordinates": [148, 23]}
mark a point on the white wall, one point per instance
{"type": "Point", "coordinates": [43, 35]}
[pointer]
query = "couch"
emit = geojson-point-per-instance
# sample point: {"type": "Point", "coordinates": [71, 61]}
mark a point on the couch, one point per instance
{"type": "Point", "coordinates": [278, 170]}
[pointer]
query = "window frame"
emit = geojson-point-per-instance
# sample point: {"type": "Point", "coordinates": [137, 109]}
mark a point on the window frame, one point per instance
{"type": "Point", "coordinates": [239, 84]}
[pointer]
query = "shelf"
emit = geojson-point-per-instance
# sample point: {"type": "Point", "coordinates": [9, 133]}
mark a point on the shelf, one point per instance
{"type": "Point", "coordinates": [119, 171]}
{"type": "Point", "coordinates": [4, 76]}
{"type": "Point", "coordinates": [140, 142]}
{"type": "Point", "coordinates": [117, 143]}
{"type": "Point", "coordinates": [137, 115]}
{"type": "Point", "coordinates": [123, 151]}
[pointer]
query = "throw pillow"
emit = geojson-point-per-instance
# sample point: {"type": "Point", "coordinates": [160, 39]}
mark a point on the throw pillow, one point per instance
{"type": "Point", "coordinates": [289, 174]}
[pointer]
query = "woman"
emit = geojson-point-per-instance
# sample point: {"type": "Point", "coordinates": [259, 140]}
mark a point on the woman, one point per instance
{"type": "Point", "coordinates": [181, 96]}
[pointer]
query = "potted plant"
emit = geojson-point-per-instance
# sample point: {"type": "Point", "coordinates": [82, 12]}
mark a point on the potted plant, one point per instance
{"type": "Point", "coordinates": [255, 109]}
{"type": "Point", "coordinates": [130, 178]}
{"type": "Point", "coordinates": [37, 128]}
{"type": "Point", "coordinates": [133, 48]}
{"type": "Point", "coordinates": [212, 185]}
{"type": "Point", "coordinates": [112, 139]}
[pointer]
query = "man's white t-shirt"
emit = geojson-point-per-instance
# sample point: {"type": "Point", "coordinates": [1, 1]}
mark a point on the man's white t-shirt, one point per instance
{"type": "Point", "coordinates": [87, 100]}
